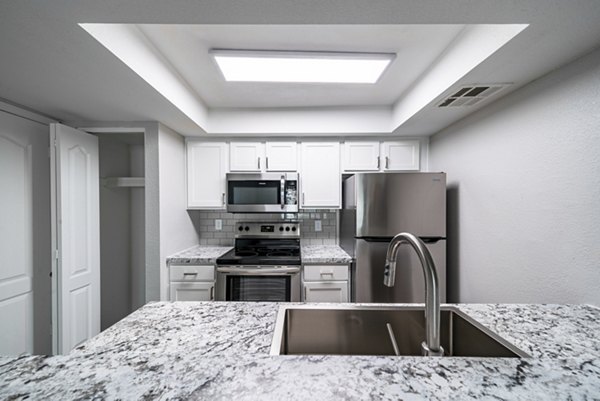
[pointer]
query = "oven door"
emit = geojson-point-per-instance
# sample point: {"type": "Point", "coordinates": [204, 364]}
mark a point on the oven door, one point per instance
{"type": "Point", "coordinates": [258, 283]}
{"type": "Point", "coordinates": [267, 193]}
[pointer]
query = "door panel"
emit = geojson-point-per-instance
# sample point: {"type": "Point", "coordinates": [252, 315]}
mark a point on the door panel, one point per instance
{"type": "Point", "coordinates": [76, 236]}
{"type": "Point", "coordinates": [16, 247]}
{"type": "Point", "coordinates": [387, 204]}
{"type": "Point", "coordinates": [326, 292]}
{"type": "Point", "coordinates": [410, 284]}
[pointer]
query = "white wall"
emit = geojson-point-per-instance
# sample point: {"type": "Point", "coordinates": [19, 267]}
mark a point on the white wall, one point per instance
{"type": "Point", "coordinates": [176, 229]}
{"type": "Point", "coordinates": [524, 192]}
{"type": "Point", "coordinates": [138, 234]}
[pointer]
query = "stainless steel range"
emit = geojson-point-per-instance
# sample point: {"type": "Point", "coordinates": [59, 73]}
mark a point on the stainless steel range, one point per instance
{"type": "Point", "coordinates": [264, 264]}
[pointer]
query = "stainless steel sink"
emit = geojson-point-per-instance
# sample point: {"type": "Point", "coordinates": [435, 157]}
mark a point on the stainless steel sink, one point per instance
{"type": "Point", "coordinates": [362, 330]}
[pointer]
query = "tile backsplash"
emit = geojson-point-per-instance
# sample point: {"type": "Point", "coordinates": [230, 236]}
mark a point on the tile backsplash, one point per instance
{"type": "Point", "coordinates": [204, 222]}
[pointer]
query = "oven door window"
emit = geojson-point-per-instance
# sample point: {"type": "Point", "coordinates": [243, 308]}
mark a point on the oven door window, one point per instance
{"type": "Point", "coordinates": [258, 288]}
{"type": "Point", "coordinates": [254, 192]}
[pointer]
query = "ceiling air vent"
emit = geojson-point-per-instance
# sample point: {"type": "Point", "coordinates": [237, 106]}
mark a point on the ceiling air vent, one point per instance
{"type": "Point", "coordinates": [470, 95]}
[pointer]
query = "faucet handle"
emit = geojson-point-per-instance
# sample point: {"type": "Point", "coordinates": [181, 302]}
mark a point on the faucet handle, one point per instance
{"type": "Point", "coordinates": [389, 274]}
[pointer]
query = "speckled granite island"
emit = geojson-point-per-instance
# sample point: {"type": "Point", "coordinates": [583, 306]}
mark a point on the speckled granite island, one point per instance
{"type": "Point", "coordinates": [220, 351]}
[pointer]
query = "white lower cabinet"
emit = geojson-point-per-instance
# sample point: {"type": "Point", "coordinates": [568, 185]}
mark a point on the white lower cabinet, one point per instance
{"type": "Point", "coordinates": [325, 283]}
{"type": "Point", "coordinates": [192, 291]}
{"type": "Point", "coordinates": [191, 282]}
{"type": "Point", "coordinates": [333, 291]}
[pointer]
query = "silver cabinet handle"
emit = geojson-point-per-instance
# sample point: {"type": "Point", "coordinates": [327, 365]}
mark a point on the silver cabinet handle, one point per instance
{"type": "Point", "coordinates": [303, 199]}
{"type": "Point", "coordinates": [212, 293]}
{"type": "Point", "coordinates": [305, 288]}
{"type": "Point", "coordinates": [223, 198]}
{"type": "Point", "coordinates": [387, 162]}
{"type": "Point", "coordinates": [378, 162]}
{"type": "Point", "coordinates": [259, 163]}
{"type": "Point", "coordinates": [267, 162]}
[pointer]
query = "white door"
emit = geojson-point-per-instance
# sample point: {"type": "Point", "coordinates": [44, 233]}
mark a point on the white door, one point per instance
{"type": "Point", "coordinates": [75, 230]}
{"type": "Point", "coordinates": [333, 291]}
{"type": "Point", "coordinates": [320, 177]}
{"type": "Point", "coordinates": [361, 156]}
{"type": "Point", "coordinates": [192, 291]}
{"type": "Point", "coordinates": [401, 156]}
{"type": "Point", "coordinates": [281, 156]}
{"type": "Point", "coordinates": [246, 156]}
{"type": "Point", "coordinates": [16, 244]}
{"type": "Point", "coordinates": [206, 169]}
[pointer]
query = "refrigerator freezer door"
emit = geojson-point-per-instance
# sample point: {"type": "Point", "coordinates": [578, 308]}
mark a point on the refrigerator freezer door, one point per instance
{"type": "Point", "coordinates": [409, 286]}
{"type": "Point", "coordinates": [387, 204]}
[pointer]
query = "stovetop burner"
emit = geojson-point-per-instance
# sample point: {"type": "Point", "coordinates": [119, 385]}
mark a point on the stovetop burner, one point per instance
{"type": "Point", "coordinates": [245, 253]}
{"type": "Point", "coordinates": [263, 251]}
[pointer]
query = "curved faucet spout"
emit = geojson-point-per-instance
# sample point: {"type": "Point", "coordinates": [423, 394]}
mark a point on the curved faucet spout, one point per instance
{"type": "Point", "coordinates": [431, 346]}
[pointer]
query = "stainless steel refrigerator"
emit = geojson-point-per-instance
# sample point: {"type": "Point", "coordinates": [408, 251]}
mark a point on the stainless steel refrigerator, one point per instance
{"type": "Point", "coordinates": [377, 206]}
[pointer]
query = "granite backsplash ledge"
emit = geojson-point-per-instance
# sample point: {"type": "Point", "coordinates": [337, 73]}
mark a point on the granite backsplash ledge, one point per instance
{"type": "Point", "coordinates": [204, 222]}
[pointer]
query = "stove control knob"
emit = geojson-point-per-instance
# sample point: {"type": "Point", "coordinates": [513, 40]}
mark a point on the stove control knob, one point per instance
{"type": "Point", "coordinates": [241, 228]}
{"type": "Point", "coordinates": [294, 228]}
{"type": "Point", "coordinates": [247, 228]}
{"type": "Point", "coordinates": [287, 228]}
{"type": "Point", "coordinates": [281, 228]}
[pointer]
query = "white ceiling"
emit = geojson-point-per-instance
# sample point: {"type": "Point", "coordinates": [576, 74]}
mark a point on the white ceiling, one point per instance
{"type": "Point", "coordinates": [187, 46]}
{"type": "Point", "coordinates": [48, 63]}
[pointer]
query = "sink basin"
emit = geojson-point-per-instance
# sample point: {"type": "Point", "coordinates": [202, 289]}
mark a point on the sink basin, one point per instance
{"type": "Point", "coordinates": [363, 330]}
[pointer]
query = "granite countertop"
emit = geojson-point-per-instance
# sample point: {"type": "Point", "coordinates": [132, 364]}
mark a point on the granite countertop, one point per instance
{"type": "Point", "coordinates": [199, 254]}
{"type": "Point", "coordinates": [220, 351]}
{"type": "Point", "coordinates": [324, 254]}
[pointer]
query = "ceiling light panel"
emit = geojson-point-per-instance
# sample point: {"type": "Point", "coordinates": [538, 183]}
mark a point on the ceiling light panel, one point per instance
{"type": "Point", "coordinates": [302, 67]}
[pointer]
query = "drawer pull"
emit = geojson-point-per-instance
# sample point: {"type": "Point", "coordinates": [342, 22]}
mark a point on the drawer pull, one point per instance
{"type": "Point", "coordinates": [190, 274]}
{"type": "Point", "coordinates": [327, 274]}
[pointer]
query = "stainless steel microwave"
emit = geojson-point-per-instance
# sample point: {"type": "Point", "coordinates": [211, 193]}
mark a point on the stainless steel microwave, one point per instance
{"type": "Point", "coordinates": [262, 193]}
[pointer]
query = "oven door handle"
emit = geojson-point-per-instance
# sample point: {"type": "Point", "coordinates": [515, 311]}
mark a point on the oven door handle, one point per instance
{"type": "Point", "coordinates": [282, 192]}
{"type": "Point", "coordinates": [259, 272]}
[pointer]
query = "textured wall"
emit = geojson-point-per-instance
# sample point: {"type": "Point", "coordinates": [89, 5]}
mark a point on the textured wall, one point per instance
{"type": "Point", "coordinates": [204, 221]}
{"type": "Point", "coordinates": [524, 190]}
{"type": "Point", "coordinates": [176, 229]}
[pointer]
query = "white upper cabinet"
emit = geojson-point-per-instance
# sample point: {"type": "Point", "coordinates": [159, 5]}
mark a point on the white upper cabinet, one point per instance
{"type": "Point", "coordinates": [320, 179]}
{"type": "Point", "coordinates": [380, 156]}
{"type": "Point", "coordinates": [361, 156]}
{"type": "Point", "coordinates": [400, 155]}
{"type": "Point", "coordinates": [206, 169]}
{"type": "Point", "coordinates": [281, 156]}
{"type": "Point", "coordinates": [246, 156]}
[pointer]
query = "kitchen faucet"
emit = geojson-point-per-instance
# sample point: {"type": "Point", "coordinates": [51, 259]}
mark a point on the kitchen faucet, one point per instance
{"type": "Point", "coordinates": [431, 345]}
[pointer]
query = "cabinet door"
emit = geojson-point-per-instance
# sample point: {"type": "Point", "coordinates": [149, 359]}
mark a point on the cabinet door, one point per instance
{"type": "Point", "coordinates": [333, 291]}
{"type": "Point", "coordinates": [192, 291]}
{"type": "Point", "coordinates": [320, 178]}
{"type": "Point", "coordinates": [361, 156]}
{"type": "Point", "coordinates": [400, 155]}
{"type": "Point", "coordinates": [281, 156]}
{"type": "Point", "coordinates": [246, 156]}
{"type": "Point", "coordinates": [206, 168]}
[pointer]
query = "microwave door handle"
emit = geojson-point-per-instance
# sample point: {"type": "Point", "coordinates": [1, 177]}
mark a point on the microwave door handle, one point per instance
{"type": "Point", "coordinates": [282, 192]}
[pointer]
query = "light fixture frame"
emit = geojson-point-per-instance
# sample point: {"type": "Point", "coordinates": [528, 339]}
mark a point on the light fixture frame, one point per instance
{"type": "Point", "coordinates": [293, 54]}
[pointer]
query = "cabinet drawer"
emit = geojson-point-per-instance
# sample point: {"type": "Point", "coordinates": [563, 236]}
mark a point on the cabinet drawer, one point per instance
{"type": "Point", "coordinates": [192, 273]}
{"type": "Point", "coordinates": [325, 272]}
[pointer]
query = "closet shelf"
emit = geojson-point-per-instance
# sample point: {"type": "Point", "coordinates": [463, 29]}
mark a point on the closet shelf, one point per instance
{"type": "Point", "coordinates": [123, 182]}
